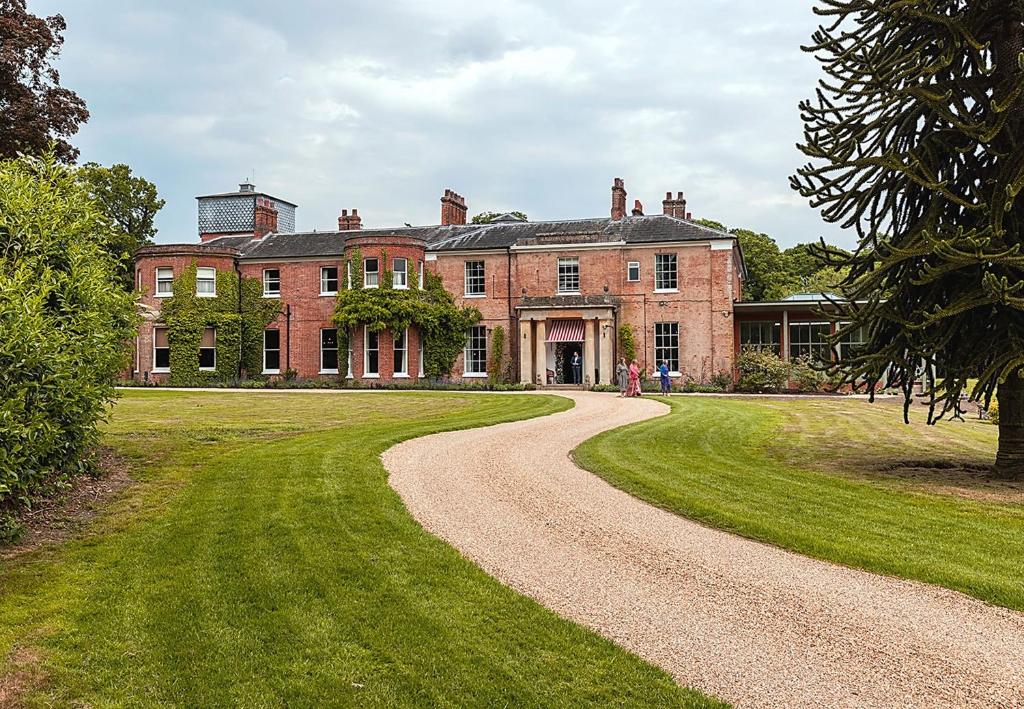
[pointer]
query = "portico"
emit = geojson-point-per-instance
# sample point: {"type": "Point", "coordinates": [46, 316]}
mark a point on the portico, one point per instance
{"type": "Point", "coordinates": [546, 334]}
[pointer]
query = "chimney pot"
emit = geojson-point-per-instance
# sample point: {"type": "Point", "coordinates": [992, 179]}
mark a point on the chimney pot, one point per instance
{"type": "Point", "coordinates": [618, 199]}
{"type": "Point", "coordinates": [453, 208]}
{"type": "Point", "coordinates": [638, 209]}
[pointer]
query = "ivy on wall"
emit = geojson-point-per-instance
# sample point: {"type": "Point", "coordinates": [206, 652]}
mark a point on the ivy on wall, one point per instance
{"type": "Point", "coordinates": [496, 367]}
{"type": "Point", "coordinates": [239, 313]}
{"type": "Point", "coordinates": [431, 309]}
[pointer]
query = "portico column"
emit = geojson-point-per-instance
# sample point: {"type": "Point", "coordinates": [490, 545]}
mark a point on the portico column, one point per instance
{"type": "Point", "coordinates": [540, 372]}
{"type": "Point", "coordinates": [525, 352]}
{"type": "Point", "coordinates": [606, 333]}
{"type": "Point", "coordinates": [588, 352]}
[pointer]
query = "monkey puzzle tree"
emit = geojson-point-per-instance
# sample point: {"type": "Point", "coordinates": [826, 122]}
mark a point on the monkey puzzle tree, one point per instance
{"type": "Point", "coordinates": [916, 140]}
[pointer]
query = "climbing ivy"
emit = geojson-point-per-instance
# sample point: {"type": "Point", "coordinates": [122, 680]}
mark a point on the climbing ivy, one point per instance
{"type": "Point", "coordinates": [627, 342]}
{"type": "Point", "coordinates": [496, 367]}
{"type": "Point", "coordinates": [238, 312]}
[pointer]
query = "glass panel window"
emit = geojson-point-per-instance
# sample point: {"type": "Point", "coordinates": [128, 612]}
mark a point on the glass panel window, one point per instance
{"type": "Point", "coordinates": [329, 351]}
{"type": "Point", "coordinates": [208, 350]}
{"type": "Point", "coordinates": [400, 276]}
{"type": "Point", "coordinates": [761, 335]}
{"type": "Point", "coordinates": [665, 272]}
{"type": "Point", "coordinates": [271, 282]}
{"type": "Point", "coordinates": [569, 275]}
{"type": "Point", "coordinates": [371, 272]}
{"type": "Point", "coordinates": [271, 351]}
{"type": "Point", "coordinates": [422, 274]}
{"type": "Point", "coordinates": [329, 280]}
{"type": "Point", "coordinates": [633, 271]}
{"type": "Point", "coordinates": [475, 355]}
{"type": "Point", "coordinates": [401, 352]}
{"type": "Point", "coordinates": [807, 339]}
{"type": "Point", "coordinates": [164, 282]}
{"type": "Point", "coordinates": [206, 282]}
{"type": "Point", "coordinates": [161, 350]}
{"type": "Point", "coordinates": [852, 342]}
{"type": "Point", "coordinates": [666, 345]}
{"type": "Point", "coordinates": [475, 284]}
{"type": "Point", "coordinates": [371, 352]}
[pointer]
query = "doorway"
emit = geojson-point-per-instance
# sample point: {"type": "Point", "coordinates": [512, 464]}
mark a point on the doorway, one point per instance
{"type": "Point", "coordinates": [563, 362]}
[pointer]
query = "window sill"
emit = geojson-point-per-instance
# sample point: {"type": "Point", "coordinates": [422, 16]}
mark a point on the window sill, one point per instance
{"type": "Point", "coordinates": [206, 295]}
{"type": "Point", "coordinates": [328, 371]}
{"type": "Point", "coordinates": [371, 376]}
{"type": "Point", "coordinates": [207, 369]}
{"type": "Point", "coordinates": [163, 295]}
{"type": "Point", "coordinates": [396, 375]}
{"type": "Point", "coordinates": [271, 371]}
{"type": "Point", "coordinates": [474, 375]}
{"type": "Point", "coordinates": [160, 370]}
{"type": "Point", "coordinates": [399, 287]}
{"type": "Point", "coordinates": [474, 295]}
{"type": "Point", "coordinates": [569, 292]}
{"type": "Point", "coordinates": [328, 294]}
{"type": "Point", "coordinates": [272, 295]}
{"type": "Point", "coordinates": [666, 290]}
{"type": "Point", "coordinates": [367, 285]}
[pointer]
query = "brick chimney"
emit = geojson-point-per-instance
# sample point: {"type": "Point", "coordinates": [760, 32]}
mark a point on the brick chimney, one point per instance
{"type": "Point", "coordinates": [638, 209]}
{"type": "Point", "coordinates": [265, 220]}
{"type": "Point", "coordinates": [453, 208]}
{"type": "Point", "coordinates": [618, 199]}
{"type": "Point", "coordinates": [674, 207]}
{"type": "Point", "coordinates": [350, 222]}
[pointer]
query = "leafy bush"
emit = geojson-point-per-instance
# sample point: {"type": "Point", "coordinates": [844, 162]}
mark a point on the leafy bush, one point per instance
{"type": "Point", "coordinates": [806, 377]}
{"type": "Point", "coordinates": [64, 325]}
{"type": "Point", "coordinates": [993, 411]}
{"type": "Point", "coordinates": [496, 366]}
{"type": "Point", "coordinates": [761, 370]}
{"type": "Point", "coordinates": [627, 342]}
{"type": "Point", "coordinates": [722, 381]}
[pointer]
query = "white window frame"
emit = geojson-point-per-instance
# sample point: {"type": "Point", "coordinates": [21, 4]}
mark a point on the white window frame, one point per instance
{"type": "Point", "coordinates": [422, 274]}
{"type": "Point", "coordinates": [329, 349]}
{"type": "Point", "coordinates": [402, 373]}
{"type": "Point", "coordinates": [348, 274]}
{"type": "Point", "coordinates": [265, 350]}
{"type": "Point", "coordinates": [419, 339]}
{"type": "Point", "coordinates": [673, 372]}
{"type": "Point", "coordinates": [566, 262]}
{"type": "Point", "coordinates": [367, 374]}
{"type": "Point", "coordinates": [466, 359]}
{"type": "Point", "coordinates": [630, 266]}
{"type": "Point", "coordinates": [475, 279]}
{"type": "Point", "coordinates": [403, 282]}
{"type": "Point", "coordinates": [267, 293]}
{"type": "Point", "coordinates": [324, 279]}
{"type": "Point", "coordinates": [156, 369]}
{"type": "Point", "coordinates": [169, 280]}
{"type": "Point", "coordinates": [206, 270]}
{"type": "Point", "coordinates": [214, 348]}
{"type": "Point", "coordinates": [661, 273]}
{"type": "Point", "coordinates": [367, 272]}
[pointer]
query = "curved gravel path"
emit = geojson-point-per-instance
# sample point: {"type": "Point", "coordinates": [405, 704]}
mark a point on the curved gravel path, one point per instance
{"type": "Point", "coordinates": [743, 621]}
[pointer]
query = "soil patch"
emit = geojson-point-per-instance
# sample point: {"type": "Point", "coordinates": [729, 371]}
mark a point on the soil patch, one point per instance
{"type": "Point", "coordinates": [23, 673]}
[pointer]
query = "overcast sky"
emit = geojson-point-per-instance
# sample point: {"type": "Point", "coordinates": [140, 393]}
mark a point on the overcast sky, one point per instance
{"type": "Point", "coordinates": [378, 105]}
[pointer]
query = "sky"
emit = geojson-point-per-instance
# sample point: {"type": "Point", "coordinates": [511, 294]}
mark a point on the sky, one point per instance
{"type": "Point", "coordinates": [381, 106]}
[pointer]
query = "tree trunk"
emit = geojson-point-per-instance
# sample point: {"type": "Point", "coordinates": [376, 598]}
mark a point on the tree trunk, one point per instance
{"type": "Point", "coordinates": [1010, 457]}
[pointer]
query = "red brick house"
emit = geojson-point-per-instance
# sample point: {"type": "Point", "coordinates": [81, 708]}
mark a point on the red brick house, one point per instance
{"type": "Point", "coordinates": [556, 287]}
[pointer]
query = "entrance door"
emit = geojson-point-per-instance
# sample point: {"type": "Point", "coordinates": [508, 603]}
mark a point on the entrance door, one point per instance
{"type": "Point", "coordinates": [564, 352]}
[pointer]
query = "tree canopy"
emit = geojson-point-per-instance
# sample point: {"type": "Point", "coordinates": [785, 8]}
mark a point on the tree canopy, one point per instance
{"type": "Point", "coordinates": [35, 110]}
{"type": "Point", "coordinates": [488, 217]}
{"type": "Point", "coordinates": [915, 140]}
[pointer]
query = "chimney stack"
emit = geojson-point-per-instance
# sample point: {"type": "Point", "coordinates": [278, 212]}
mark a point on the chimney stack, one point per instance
{"type": "Point", "coordinates": [453, 208]}
{"type": "Point", "coordinates": [350, 222]}
{"type": "Point", "coordinates": [265, 220]}
{"type": "Point", "coordinates": [618, 199]}
{"type": "Point", "coordinates": [674, 207]}
{"type": "Point", "coordinates": [638, 209]}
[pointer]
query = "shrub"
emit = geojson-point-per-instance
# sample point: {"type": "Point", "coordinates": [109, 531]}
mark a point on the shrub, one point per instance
{"type": "Point", "coordinates": [761, 370]}
{"type": "Point", "coordinates": [496, 367]}
{"type": "Point", "coordinates": [64, 325]}
{"type": "Point", "coordinates": [627, 342]}
{"type": "Point", "coordinates": [722, 381]}
{"type": "Point", "coordinates": [805, 376]}
{"type": "Point", "coordinates": [993, 411]}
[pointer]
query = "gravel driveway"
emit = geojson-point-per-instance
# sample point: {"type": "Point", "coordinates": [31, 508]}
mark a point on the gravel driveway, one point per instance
{"type": "Point", "coordinates": [743, 621]}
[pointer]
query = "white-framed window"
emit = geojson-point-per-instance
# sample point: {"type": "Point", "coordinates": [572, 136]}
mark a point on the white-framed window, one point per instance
{"type": "Point", "coordinates": [271, 283]}
{"type": "Point", "coordinates": [272, 351]}
{"type": "Point", "coordinates": [807, 339]}
{"type": "Point", "coordinates": [423, 371]}
{"type": "Point", "coordinates": [208, 350]}
{"type": "Point", "coordinates": [666, 345]}
{"type": "Point", "coordinates": [761, 335]}
{"type": "Point", "coordinates": [206, 282]}
{"type": "Point", "coordinates": [569, 275]}
{"type": "Point", "coordinates": [371, 353]}
{"type": "Point", "coordinates": [633, 272]}
{"type": "Point", "coordinates": [164, 282]}
{"type": "Point", "coordinates": [371, 272]}
{"type": "Point", "coordinates": [475, 281]}
{"type": "Point", "coordinates": [328, 350]}
{"type": "Point", "coordinates": [161, 350]}
{"type": "Point", "coordinates": [422, 275]}
{"type": "Point", "coordinates": [348, 274]}
{"type": "Point", "coordinates": [401, 360]}
{"type": "Point", "coordinates": [665, 276]}
{"type": "Point", "coordinates": [475, 354]}
{"type": "Point", "coordinates": [852, 341]}
{"type": "Point", "coordinates": [329, 280]}
{"type": "Point", "coordinates": [400, 273]}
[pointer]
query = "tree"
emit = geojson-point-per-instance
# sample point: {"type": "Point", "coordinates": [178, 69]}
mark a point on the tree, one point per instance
{"type": "Point", "coordinates": [915, 141]}
{"type": "Point", "coordinates": [767, 278]}
{"type": "Point", "coordinates": [710, 224]}
{"type": "Point", "coordinates": [130, 204]}
{"type": "Point", "coordinates": [488, 217]}
{"type": "Point", "coordinates": [35, 110]}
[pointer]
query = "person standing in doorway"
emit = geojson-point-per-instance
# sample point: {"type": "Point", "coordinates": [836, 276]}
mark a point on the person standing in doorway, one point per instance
{"type": "Point", "coordinates": [666, 383]}
{"type": "Point", "coordinates": [622, 376]}
{"type": "Point", "coordinates": [577, 368]}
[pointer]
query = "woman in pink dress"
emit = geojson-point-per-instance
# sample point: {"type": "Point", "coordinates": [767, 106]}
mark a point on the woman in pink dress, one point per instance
{"type": "Point", "coordinates": [634, 379]}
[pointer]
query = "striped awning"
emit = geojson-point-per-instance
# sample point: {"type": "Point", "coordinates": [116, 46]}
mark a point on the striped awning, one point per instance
{"type": "Point", "coordinates": [565, 331]}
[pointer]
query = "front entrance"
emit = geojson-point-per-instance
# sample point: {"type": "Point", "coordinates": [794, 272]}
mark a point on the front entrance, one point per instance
{"type": "Point", "coordinates": [563, 362]}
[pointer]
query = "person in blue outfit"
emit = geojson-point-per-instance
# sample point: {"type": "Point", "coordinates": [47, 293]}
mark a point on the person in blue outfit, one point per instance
{"type": "Point", "coordinates": [666, 383]}
{"type": "Point", "coordinates": [577, 368]}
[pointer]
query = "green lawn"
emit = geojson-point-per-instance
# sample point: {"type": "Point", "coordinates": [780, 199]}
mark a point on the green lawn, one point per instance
{"type": "Point", "coordinates": [837, 479]}
{"type": "Point", "coordinates": [262, 561]}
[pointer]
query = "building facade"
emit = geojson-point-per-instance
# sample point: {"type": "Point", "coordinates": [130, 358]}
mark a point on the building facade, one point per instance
{"type": "Point", "coordinates": [560, 289]}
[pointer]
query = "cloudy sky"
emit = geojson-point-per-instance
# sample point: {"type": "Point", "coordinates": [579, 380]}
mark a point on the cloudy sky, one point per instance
{"type": "Point", "coordinates": [517, 105]}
